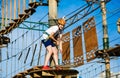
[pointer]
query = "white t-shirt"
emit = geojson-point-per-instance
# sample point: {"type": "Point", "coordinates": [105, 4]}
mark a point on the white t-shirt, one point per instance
{"type": "Point", "coordinates": [52, 29]}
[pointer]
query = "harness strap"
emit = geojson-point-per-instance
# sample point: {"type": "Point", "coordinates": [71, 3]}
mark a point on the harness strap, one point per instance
{"type": "Point", "coordinates": [46, 33]}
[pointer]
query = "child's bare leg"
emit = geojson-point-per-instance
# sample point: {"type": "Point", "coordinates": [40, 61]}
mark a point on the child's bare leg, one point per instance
{"type": "Point", "coordinates": [47, 57]}
{"type": "Point", "coordinates": [55, 55]}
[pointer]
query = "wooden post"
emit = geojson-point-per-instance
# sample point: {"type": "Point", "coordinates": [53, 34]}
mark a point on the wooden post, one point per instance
{"type": "Point", "coordinates": [30, 1]}
{"type": "Point", "coordinates": [2, 26]}
{"type": "Point", "coordinates": [24, 5]}
{"type": "Point", "coordinates": [52, 17]}
{"type": "Point", "coordinates": [67, 76]}
{"type": "Point", "coordinates": [15, 10]}
{"type": "Point", "coordinates": [105, 39]}
{"type": "Point", "coordinates": [18, 6]}
{"type": "Point", "coordinates": [6, 20]}
{"type": "Point", "coordinates": [118, 25]}
{"type": "Point", "coordinates": [10, 10]}
{"type": "Point", "coordinates": [52, 12]}
{"type": "Point", "coordinates": [58, 76]}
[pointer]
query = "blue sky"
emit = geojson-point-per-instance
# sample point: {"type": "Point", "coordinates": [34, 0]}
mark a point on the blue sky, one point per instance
{"type": "Point", "coordinates": [20, 41]}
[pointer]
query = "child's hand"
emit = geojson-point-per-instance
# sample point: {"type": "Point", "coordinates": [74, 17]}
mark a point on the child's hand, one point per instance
{"type": "Point", "coordinates": [57, 42]}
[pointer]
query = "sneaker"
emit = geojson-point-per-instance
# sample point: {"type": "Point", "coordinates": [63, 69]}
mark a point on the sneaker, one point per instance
{"type": "Point", "coordinates": [58, 68]}
{"type": "Point", "coordinates": [46, 68]}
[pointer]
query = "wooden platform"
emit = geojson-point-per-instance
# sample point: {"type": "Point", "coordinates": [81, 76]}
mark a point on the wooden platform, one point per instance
{"type": "Point", "coordinates": [115, 51]}
{"type": "Point", "coordinates": [36, 72]}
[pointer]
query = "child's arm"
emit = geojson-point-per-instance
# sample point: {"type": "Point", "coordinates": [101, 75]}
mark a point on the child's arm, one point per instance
{"type": "Point", "coordinates": [60, 43]}
{"type": "Point", "coordinates": [51, 36]}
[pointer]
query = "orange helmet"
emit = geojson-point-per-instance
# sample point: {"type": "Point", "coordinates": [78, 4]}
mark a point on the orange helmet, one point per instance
{"type": "Point", "coordinates": [61, 21]}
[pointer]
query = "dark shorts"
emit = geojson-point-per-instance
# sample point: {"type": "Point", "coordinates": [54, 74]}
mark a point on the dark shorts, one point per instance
{"type": "Point", "coordinates": [48, 42]}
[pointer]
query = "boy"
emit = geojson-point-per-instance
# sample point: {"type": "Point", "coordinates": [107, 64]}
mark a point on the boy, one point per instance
{"type": "Point", "coordinates": [51, 39]}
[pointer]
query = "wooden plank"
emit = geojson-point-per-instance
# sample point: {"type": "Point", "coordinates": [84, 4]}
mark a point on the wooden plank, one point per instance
{"type": "Point", "coordinates": [66, 48]}
{"type": "Point", "coordinates": [114, 51]}
{"type": "Point", "coordinates": [33, 54]}
{"type": "Point", "coordinates": [62, 72]}
{"type": "Point", "coordinates": [37, 72]}
{"type": "Point", "coordinates": [77, 47]}
{"type": "Point", "coordinates": [27, 55]}
{"type": "Point", "coordinates": [90, 37]}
